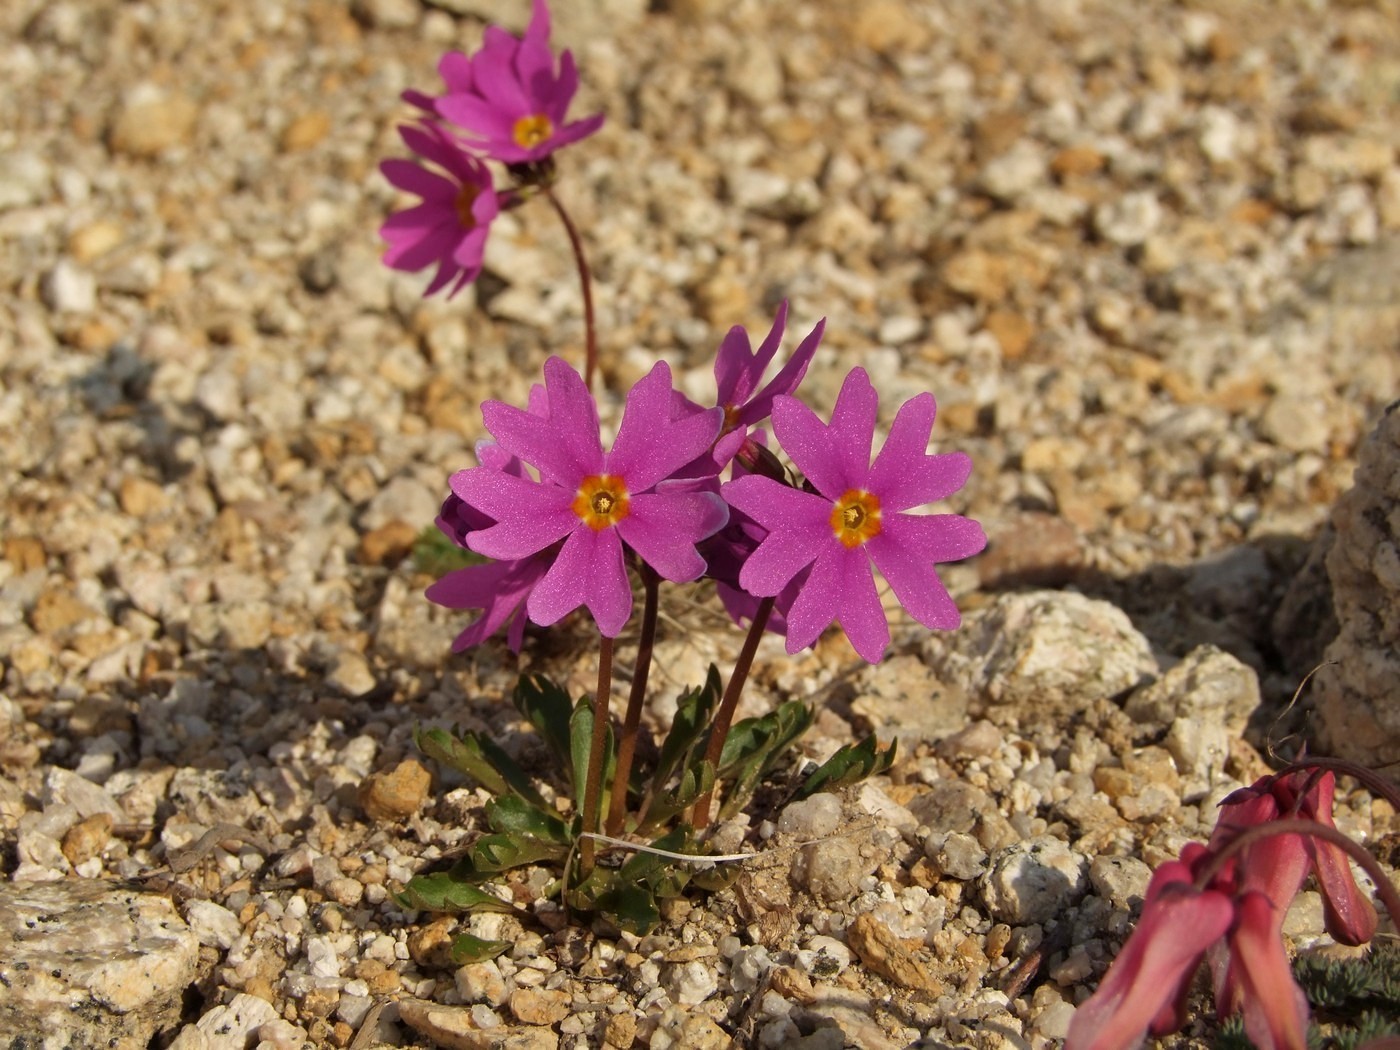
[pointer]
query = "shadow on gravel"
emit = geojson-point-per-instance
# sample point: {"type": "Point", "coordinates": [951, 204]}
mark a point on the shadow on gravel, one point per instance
{"type": "Point", "coordinates": [118, 387]}
{"type": "Point", "coordinates": [1266, 602]}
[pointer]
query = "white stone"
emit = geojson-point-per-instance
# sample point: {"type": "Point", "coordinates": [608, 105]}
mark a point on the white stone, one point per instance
{"type": "Point", "coordinates": [68, 288]}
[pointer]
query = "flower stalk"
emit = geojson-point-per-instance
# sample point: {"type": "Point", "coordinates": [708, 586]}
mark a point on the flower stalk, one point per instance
{"type": "Point", "coordinates": [585, 280]}
{"type": "Point", "coordinates": [724, 716]}
{"type": "Point", "coordinates": [597, 751]}
{"type": "Point", "coordinates": [627, 742]}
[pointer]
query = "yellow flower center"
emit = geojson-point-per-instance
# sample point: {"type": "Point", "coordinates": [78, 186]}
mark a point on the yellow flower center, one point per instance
{"type": "Point", "coordinates": [530, 131]}
{"type": "Point", "coordinates": [855, 517]}
{"type": "Point", "coordinates": [466, 197]}
{"type": "Point", "coordinates": [601, 501]}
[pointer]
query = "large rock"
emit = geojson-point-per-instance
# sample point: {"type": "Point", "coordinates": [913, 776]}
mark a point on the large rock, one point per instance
{"type": "Point", "coordinates": [1358, 689]}
{"type": "Point", "coordinates": [88, 964]}
{"type": "Point", "coordinates": [1042, 656]}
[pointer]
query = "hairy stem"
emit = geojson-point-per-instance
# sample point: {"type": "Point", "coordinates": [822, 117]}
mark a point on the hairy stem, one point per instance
{"type": "Point", "coordinates": [1385, 889]}
{"type": "Point", "coordinates": [585, 277]}
{"type": "Point", "coordinates": [627, 742]}
{"type": "Point", "coordinates": [719, 728]}
{"type": "Point", "coordinates": [593, 788]}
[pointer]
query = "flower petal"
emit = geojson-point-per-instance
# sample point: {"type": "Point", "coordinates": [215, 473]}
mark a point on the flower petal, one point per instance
{"type": "Point", "coordinates": [760, 407]}
{"type": "Point", "coordinates": [664, 527]}
{"type": "Point", "coordinates": [651, 445]}
{"type": "Point", "coordinates": [1178, 924]}
{"type": "Point", "coordinates": [1274, 1007]}
{"type": "Point", "coordinates": [903, 474]}
{"type": "Point", "coordinates": [529, 516]}
{"type": "Point", "coordinates": [589, 571]}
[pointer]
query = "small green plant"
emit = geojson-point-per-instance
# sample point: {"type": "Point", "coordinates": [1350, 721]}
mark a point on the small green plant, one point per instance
{"type": "Point", "coordinates": [1354, 999]}
{"type": "Point", "coordinates": [527, 830]}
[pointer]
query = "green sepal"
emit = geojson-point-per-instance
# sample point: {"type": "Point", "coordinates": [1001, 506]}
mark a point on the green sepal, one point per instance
{"type": "Point", "coordinates": [468, 948]}
{"type": "Point", "coordinates": [849, 765]}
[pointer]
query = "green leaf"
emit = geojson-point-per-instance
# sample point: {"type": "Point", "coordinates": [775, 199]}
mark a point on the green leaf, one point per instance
{"type": "Point", "coordinates": [463, 754]}
{"type": "Point", "coordinates": [850, 765]}
{"type": "Point", "coordinates": [511, 815]}
{"type": "Point", "coordinates": [580, 743]}
{"type": "Point", "coordinates": [546, 706]}
{"type": "Point", "coordinates": [760, 743]}
{"type": "Point", "coordinates": [467, 948]}
{"type": "Point", "coordinates": [480, 758]}
{"type": "Point", "coordinates": [633, 908]}
{"type": "Point", "coordinates": [436, 555]}
{"type": "Point", "coordinates": [492, 854]}
{"type": "Point", "coordinates": [694, 782]}
{"type": "Point", "coordinates": [447, 891]}
{"type": "Point", "coordinates": [688, 728]}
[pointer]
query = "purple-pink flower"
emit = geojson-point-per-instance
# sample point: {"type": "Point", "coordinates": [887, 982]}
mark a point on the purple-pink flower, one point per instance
{"type": "Point", "coordinates": [500, 588]}
{"type": "Point", "coordinates": [856, 517]}
{"type": "Point", "coordinates": [449, 227]}
{"type": "Point", "coordinates": [596, 505]}
{"type": "Point", "coordinates": [509, 98]}
{"type": "Point", "coordinates": [739, 371]}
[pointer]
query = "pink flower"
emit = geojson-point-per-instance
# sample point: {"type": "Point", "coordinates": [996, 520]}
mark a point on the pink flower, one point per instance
{"type": "Point", "coordinates": [508, 98]}
{"type": "Point", "coordinates": [500, 589]}
{"type": "Point", "coordinates": [739, 370]}
{"type": "Point", "coordinates": [1145, 987]}
{"type": "Point", "coordinates": [1285, 861]}
{"type": "Point", "coordinates": [596, 505]}
{"type": "Point", "coordinates": [856, 517]}
{"type": "Point", "coordinates": [1144, 990]}
{"type": "Point", "coordinates": [448, 229]}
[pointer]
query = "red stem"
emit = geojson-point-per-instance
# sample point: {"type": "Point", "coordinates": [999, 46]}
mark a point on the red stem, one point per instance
{"type": "Point", "coordinates": [627, 742]}
{"type": "Point", "coordinates": [719, 728]}
{"type": "Point", "coordinates": [585, 277]}
{"type": "Point", "coordinates": [593, 789]}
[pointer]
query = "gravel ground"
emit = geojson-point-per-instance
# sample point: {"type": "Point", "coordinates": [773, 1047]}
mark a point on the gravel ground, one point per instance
{"type": "Point", "coordinates": [1146, 257]}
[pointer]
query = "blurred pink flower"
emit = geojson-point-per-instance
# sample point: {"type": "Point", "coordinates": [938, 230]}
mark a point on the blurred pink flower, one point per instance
{"type": "Point", "coordinates": [508, 97]}
{"type": "Point", "coordinates": [449, 227]}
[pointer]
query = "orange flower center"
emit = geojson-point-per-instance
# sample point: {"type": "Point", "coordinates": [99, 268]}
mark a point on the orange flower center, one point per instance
{"type": "Point", "coordinates": [731, 418]}
{"type": "Point", "coordinates": [601, 501]}
{"type": "Point", "coordinates": [530, 131]}
{"type": "Point", "coordinates": [466, 198]}
{"type": "Point", "coordinates": [855, 517]}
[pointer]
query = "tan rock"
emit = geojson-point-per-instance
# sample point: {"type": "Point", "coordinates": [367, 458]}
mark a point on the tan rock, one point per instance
{"type": "Point", "coordinates": [395, 795]}
{"type": "Point", "coordinates": [58, 610]}
{"type": "Point", "coordinates": [1012, 331]}
{"type": "Point", "coordinates": [87, 838]}
{"type": "Point", "coordinates": [94, 240]}
{"type": "Point", "coordinates": [452, 1027]}
{"type": "Point", "coordinates": [885, 954]}
{"type": "Point", "coordinates": [540, 1005]}
{"type": "Point", "coordinates": [387, 545]}
{"type": "Point", "coordinates": [151, 121]}
{"type": "Point", "coordinates": [140, 497]}
{"type": "Point", "coordinates": [306, 131]}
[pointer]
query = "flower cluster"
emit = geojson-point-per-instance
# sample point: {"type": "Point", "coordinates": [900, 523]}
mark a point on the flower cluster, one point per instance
{"type": "Point", "coordinates": [1225, 902]}
{"type": "Point", "coordinates": [562, 536]}
{"type": "Point", "coordinates": [508, 102]}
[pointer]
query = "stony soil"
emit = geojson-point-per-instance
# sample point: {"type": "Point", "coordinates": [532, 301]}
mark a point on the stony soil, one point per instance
{"type": "Point", "coordinates": [1146, 257]}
